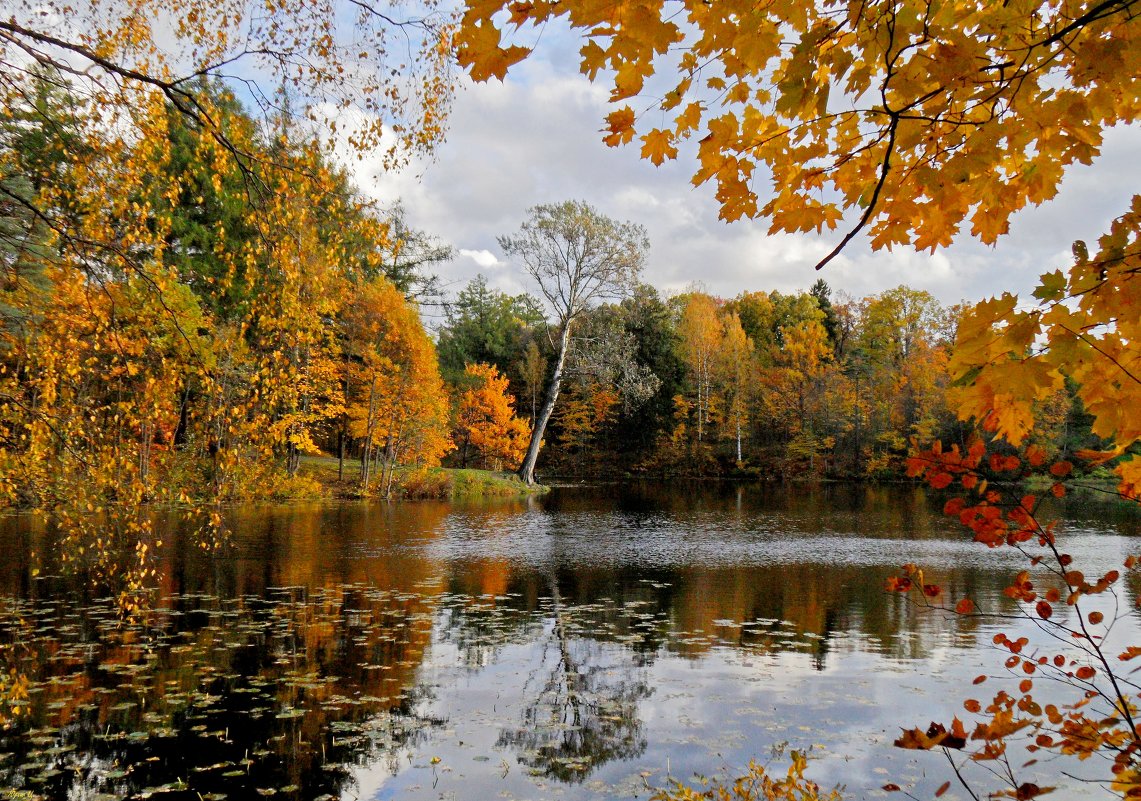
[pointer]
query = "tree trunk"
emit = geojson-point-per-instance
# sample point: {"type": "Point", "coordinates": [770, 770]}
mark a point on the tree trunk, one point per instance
{"type": "Point", "coordinates": [700, 403]}
{"type": "Point", "coordinates": [341, 453]}
{"type": "Point", "coordinates": [739, 436]}
{"type": "Point", "coordinates": [527, 469]}
{"type": "Point", "coordinates": [394, 448]}
{"type": "Point", "coordinates": [370, 425]}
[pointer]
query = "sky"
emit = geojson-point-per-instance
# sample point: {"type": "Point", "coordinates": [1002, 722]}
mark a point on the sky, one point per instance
{"type": "Point", "coordinates": [534, 138]}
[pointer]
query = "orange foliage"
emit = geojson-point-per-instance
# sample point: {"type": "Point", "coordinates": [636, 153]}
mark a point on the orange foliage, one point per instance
{"type": "Point", "coordinates": [486, 418]}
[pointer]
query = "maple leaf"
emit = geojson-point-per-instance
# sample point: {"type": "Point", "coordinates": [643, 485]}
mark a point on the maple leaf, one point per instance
{"type": "Point", "coordinates": [593, 59]}
{"type": "Point", "coordinates": [620, 124]}
{"type": "Point", "coordinates": [478, 47]}
{"type": "Point", "coordinates": [1053, 286]}
{"type": "Point", "coordinates": [658, 146]}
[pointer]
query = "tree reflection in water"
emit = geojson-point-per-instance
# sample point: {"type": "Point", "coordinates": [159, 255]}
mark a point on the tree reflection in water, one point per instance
{"type": "Point", "coordinates": [210, 698]}
{"type": "Point", "coordinates": [585, 710]}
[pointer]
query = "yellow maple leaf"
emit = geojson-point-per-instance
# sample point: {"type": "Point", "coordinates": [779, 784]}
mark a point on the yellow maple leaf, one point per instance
{"type": "Point", "coordinates": [688, 119]}
{"type": "Point", "coordinates": [658, 146]}
{"type": "Point", "coordinates": [479, 50]}
{"type": "Point", "coordinates": [620, 124]}
{"type": "Point", "coordinates": [593, 59]}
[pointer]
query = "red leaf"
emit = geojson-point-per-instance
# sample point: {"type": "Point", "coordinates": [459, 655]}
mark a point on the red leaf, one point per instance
{"type": "Point", "coordinates": [1036, 456]}
{"type": "Point", "coordinates": [942, 789]}
{"type": "Point", "coordinates": [939, 480]}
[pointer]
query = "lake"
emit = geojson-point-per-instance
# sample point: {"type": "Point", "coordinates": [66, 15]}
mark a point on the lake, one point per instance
{"type": "Point", "coordinates": [591, 644]}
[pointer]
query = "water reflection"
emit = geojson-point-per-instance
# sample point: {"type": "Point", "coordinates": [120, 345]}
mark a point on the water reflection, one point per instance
{"type": "Point", "coordinates": [571, 649]}
{"type": "Point", "coordinates": [582, 707]}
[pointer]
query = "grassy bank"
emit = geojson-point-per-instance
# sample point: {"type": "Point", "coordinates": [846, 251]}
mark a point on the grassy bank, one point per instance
{"type": "Point", "coordinates": [417, 483]}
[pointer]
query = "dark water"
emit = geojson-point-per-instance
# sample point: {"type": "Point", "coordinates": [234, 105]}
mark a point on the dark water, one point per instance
{"type": "Point", "coordinates": [587, 646]}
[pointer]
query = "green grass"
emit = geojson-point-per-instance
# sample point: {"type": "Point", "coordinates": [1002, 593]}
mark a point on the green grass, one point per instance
{"type": "Point", "coordinates": [468, 483]}
{"type": "Point", "coordinates": [417, 483]}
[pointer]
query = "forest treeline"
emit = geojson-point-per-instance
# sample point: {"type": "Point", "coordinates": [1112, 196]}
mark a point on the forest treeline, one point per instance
{"type": "Point", "coordinates": [186, 316]}
{"type": "Point", "coordinates": [765, 384]}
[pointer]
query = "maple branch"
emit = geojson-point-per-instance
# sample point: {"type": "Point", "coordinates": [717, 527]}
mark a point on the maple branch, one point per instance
{"type": "Point", "coordinates": [1102, 10]}
{"type": "Point", "coordinates": [1092, 342]}
{"type": "Point", "coordinates": [885, 167]}
{"type": "Point", "coordinates": [958, 775]}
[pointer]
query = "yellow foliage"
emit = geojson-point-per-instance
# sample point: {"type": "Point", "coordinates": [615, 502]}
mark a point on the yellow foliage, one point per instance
{"type": "Point", "coordinates": [756, 784]}
{"type": "Point", "coordinates": [923, 120]}
{"type": "Point", "coordinates": [486, 418]}
{"type": "Point", "coordinates": [122, 380]}
{"type": "Point", "coordinates": [1086, 325]}
{"type": "Point", "coordinates": [394, 396]}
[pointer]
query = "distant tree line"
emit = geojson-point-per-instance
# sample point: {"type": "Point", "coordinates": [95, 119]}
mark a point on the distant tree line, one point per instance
{"type": "Point", "coordinates": [763, 384]}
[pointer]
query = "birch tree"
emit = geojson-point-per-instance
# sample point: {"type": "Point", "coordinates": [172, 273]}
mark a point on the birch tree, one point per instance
{"type": "Point", "coordinates": [577, 257]}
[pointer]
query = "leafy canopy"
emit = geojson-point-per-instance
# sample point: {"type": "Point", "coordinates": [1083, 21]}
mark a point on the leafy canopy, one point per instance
{"type": "Point", "coordinates": [370, 75]}
{"type": "Point", "coordinates": [918, 118]}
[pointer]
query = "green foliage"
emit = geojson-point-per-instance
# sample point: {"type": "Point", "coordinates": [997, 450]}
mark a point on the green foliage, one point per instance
{"type": "Point", "coordinates": [487, 326]}
{"type": "Point", "coordinates": [39, 137]}
{"type": "Point", "coordinates": [208, 200]}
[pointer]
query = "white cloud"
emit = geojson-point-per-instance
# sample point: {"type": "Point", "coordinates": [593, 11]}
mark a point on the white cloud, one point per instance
{"type": "Point", "coordinates": [534, 138]}
{"type": "Point", "coordinates": [484, 258]}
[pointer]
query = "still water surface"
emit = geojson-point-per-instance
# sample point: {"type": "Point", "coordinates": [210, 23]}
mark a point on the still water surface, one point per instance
{"type": "Point", "coordinates": [588, 645]}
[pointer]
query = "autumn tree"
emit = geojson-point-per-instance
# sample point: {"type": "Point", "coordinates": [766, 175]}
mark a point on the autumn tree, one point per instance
{"type": "Point", "coordinates": [188, 255]}
{"type": "Point", "coordinates": [899, 353]}
{"type": "Point", "coordinates": [798, 391]}
{"type": "Point", "coordinates": [577, 257]}
{"type": "Point", "coordinates": [394, 395]}
{"type": "Point", "coordinates": [735, 368]}
{"type": "Point", "coordinates": [700, 332]}
{"type": "Point", "coordinates": [486, 420]}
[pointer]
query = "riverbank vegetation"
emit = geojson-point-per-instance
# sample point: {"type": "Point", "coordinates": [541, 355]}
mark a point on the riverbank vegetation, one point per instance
{"type": "Point", "coordinates": [236, 316]}
{"type": "Point", "coordinates": [181, 323]}
{"type": "Point", "coordinates": [765, 384]}
{"type": "Point", "coordinates": [229, 316]}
